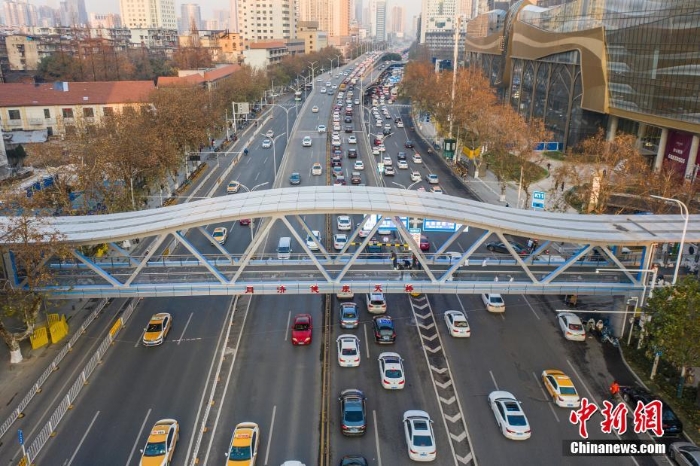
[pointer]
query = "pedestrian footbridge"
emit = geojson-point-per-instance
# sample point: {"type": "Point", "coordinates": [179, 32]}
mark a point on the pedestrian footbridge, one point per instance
{"type": "Point", "coordinates": [170, 251]}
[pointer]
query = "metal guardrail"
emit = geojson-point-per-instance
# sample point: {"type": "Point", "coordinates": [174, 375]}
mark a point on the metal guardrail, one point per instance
{"type": "Point", "coordinates": [36, 388]}
{"type": "Point", "coordinates": [50, 427]}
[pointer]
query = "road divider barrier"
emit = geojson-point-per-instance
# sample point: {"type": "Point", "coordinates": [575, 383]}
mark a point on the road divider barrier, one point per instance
{"type": "Point", "coordinates": [49, 429]}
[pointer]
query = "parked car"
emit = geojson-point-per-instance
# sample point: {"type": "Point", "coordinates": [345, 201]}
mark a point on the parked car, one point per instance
{"type": "Point", "coordinates": [673, 427]}
{"type": "Point", "coordinates": [571, 326]}
{"type": "Point", "coordinates": [501, 248]}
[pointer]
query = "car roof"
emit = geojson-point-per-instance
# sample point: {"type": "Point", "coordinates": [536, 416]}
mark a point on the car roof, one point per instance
{"type": "Point", "coordinates": [160, 430]}
{"type": "Point", "coordinates": [242, 436]}
{"type": "Point", "coordinates": [561, 378]}
{"type": "Point", "coordinates": [302, 318]}
{"type": "Point", "coordinates": [159, 317]}
{"type": "Point", "coordinates": [384, 320]}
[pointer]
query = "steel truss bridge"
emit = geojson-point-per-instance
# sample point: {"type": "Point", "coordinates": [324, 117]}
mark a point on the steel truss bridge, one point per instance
{"type": "Point", "coordinates": [176, 254]}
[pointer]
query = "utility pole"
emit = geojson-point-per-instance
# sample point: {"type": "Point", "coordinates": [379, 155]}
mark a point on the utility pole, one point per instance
{"type": "Point", "coordinates": [312, 65]}
{"type": "Point", "coordinates": [458, 22]}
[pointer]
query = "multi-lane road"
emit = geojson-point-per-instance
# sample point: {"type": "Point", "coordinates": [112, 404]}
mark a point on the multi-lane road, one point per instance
{"type": "Point", "coordinates": [280, 387]}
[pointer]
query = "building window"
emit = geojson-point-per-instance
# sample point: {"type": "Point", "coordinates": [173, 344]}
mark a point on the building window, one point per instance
{"type": "Point", "coordinates": [47, 113]}
{"type": "Point", "coordinates": [89, 112]}
{"type": "Point", "coordinates": [67, 112]}
{"type": "Point", "coordinates": [14, 114]}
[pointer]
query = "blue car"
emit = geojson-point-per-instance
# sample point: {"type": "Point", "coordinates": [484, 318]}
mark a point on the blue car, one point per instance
{"type": "Point", "coordinates": [295, 178]}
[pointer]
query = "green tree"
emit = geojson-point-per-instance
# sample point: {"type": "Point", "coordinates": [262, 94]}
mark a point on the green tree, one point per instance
{"type": "Point", "coordinates": [674, 327]}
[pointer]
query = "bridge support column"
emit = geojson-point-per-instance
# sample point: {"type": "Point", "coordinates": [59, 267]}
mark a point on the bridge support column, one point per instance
{"type": "Point", "coordinates": [659, 160]}
{"type": "Point", "coordinates": [612, 128]}
{"type": "Point", "coordinates": [692, 158]}
{"type": "Point", "coordinates": [617, 318]}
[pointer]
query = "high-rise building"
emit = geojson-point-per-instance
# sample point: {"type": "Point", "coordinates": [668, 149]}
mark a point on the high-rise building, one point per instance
{"type": "Point", "coordinates": [373, 17]}
{"type": "Point", "coordinates": [73, 13]}
{"type": "Point", "coordinates": [222, 18]}
{"type": "Point", "coordinates": [273, 20]}
{"type": "Point", "coordinates": [397, 20]}
{"type": "Point", "coordinates": [359, 10]}
{"type": "Point", "coordinates": [333, 17]}
{"type": "Point", "coordinates": [437, 16]}
{"type": "Point", "coordinates": [104, 20]}
{"type": "Point", "coordinates": [20, 13]}
{"type": "Point", "coordinates": [233, 18]}
{"type": "Point", "coordinates": [190, 16]}
{"type": "Point", "coordinates": [148, 14]}
{"type": "Point", "coordinates": [380, 35]}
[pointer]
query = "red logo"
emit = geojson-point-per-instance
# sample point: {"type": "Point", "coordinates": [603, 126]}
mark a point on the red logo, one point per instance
{"type": "Point", "coordinates": [249, 289]}
{"type": "Point", "coordinates": [378, 288]}
{"type": "Point", "coordinates": [314, 288]}
{"type": "Point", "coordinates": [582, 415]}
{"type": "Point", "coordinates": [345, 289]}
{"type": "Point", "coordinates": [409, 288]}
{"type": "Point", "coordinates": [648, 418]}
{"type": "Point", "coordinates": [614, 418]}
{"type": "Point", "coordinates": [281, 289]}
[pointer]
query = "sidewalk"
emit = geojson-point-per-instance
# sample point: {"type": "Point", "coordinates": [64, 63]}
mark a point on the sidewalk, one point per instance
{"type": "Point", "coordinates": [487, 188]}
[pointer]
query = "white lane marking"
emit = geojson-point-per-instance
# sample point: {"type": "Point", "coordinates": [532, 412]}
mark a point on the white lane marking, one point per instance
{"type": "Point", "coordinates": [269, 437]}
{"type": "Point", "coordinates": [83, 439]}
{"type": "Point", "coordinates": [140, 338]}
{"type": "Point", "coordinates": [590, 394]}
{"type": "Point", "coordinates": [289, 319]}
{"type": "Point", "coordinates": [493, 379]}
{"type": "Point", "coordinates": [185, 329]}
{"type": "Point", "coordinates": [138, 437]}
{"type": "Point", "coordinates": [376, 438]}
{"type": "Point", "coordinates": [364, 329]}
{"type": "Point", "coordinates": [503, 316]}
{"type": "Point", "coordinates": [256, 176]}
{"type": "Point", "coordinates": [546, 396]}
{"type": "Point", "coordinates": [531, 308]}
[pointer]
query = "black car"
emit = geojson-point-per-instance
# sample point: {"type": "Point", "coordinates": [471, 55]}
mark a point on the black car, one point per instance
{"type": "Point", "coordinates": [349, 129]}
{"type": "Point", "coordinates": [352, 412]}
{"type": "Point", "coordinates": [384, 332]}
{"type": "Point", "coordinates": [501, 248]}
{"type": "Point", "coordinates": [409, 144]}
{"type": "Point", "coordinates": [352, 153]}
{"type": "Point", "coordinates": [673, 427]}
{"type": "Point", "coordinates": [336, 162]}
{"type": "Point", "coordinates": [353, 460]}
{"type": "Point", "coordinates": [401, 156]}
{"type": "Point", "coordinates": [348, 119]}
{"type": "Point", "coordinates": [386, 132]}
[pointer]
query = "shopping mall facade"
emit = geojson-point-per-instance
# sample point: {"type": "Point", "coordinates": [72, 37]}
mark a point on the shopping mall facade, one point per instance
{"type": "Point", "coordinates": [622, 65]}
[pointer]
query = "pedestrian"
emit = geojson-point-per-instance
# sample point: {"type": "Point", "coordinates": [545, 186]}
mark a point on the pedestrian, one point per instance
{"type": "Point", "coordinates": [562, 186]}
{"type": "Point", "coordinates": [556, 185]}
{"type": "Point", "coordinates": [394, 260]}
{"type": "Point", "coordinates": [549, 168]}
{"type": "Point", "coordinates": [614, 389]}
{"type": "Point", "coordinates": [530, 243]}
{"type": "Point", "coordinates": [414, 261]}
{"type": "Point", "coordinates": [664, 254]}
{"type": "Point", "coordinates": [691, 250]}
{"type": "Point", "coordinates": [507, 205]}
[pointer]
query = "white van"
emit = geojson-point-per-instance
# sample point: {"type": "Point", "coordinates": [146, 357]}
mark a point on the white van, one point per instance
{"type": "Point", "coordinates": [284, 248]}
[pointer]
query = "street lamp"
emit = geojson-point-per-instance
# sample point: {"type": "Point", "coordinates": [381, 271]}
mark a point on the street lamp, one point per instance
{"type": "Point", "coordinates": [312, 65]}
{"type": "Point", "coordinates": [250, 191]}
{"type": "Point", "coordinates": [274, 152]}
{"type": "Point", "coordinates": [686, 215]}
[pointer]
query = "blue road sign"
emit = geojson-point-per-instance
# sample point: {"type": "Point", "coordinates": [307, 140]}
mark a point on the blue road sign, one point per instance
{"type": "Point", "coordinates": [537, 205]}
{"type": "Point", "coordinates": [538, 195]}
{"type": "Point", "coordinates": [20, 436]}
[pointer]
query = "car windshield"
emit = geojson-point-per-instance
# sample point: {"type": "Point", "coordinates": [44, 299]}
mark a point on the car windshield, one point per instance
{"type": "Point", "coordinates": [348, 351]}
{"type": "Point", "coordinates": [668, 415]}
{"type": "Point", "coordinates": [301, 327]}
{"type": "Point", "coordinates": [393, 373]}
{"type": "Point", "coordinates": [239, 453]}
{"type": "Point", "coordinates": [349, 314]}
{"type": "Point", "coordinates": [422, 441]}
{"type": "Point", "coordinates": [384, 331]}
{"type": "Point", "coordinates": [154, 449]}
{"type": "Point", "coordinates": [461, 324]}
{"type": "Point", "coordinates": [577, 327]}
{"type": "Point", "coordinates": [517, 420]}
{"type": "Point", "coordinates": [377, 302]}
{"type": "Point", "coordinates": [567, 390]}
{"type": "Point", "coordinates": [155, 327]}
{"type": "Point", "coordinates": [496, 300]}
{"type": "Point", "coordinates": [353, 414]}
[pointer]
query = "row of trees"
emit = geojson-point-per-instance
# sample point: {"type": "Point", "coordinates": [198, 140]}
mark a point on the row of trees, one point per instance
{"type": "Point", "coordinates": [596, 169]}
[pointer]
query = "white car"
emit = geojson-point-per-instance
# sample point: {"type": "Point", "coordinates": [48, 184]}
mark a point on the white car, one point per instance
{"type": "Point", "coordinates": [399, 124]}
{"type": "Point", "coordinates": [387, 126]}
{"type": "Point", "coordinates": [386, 160]}
{"type": "Point", "coordinates": [415, 175]}
{"type": "Point", "coordinates": [270, 134]}
{"type": "Point", "coordinates": [510, 417]}
{"type": "Point", "coordinates": [319, 80]}
{"type": "Point", "coordinates": [436, 189]}
{"type": "Point", "coordinates": [339, 241]}
{"type": "Point", "coordinates": [359, 165]}
{"type": "Point", "coordinates": [357, 102]}
{"type": "Point", "coordinates": [321, 128]}
{"type": "Point", "coordinates": [376, 304]}
{"type": "Point", "coordinates": [336, 126]}
{"type": "Point", "coordinates": [310, 241]}
{"type": "Point", "coordinates": [571, 326]}
{"type": "Point", "coordinates": [233, 187]}
{"type": "Point", "coordinates": [344, 223]}
{"type": "Point", "coordinates": [314, 109]}
{"type": "Point", "coordinates": [417, 158]}
{"type": "Point", "coordinates": [323, 90]}
{"type": "Point", "coordinates": [306, 142]}
{"type": "Point", "coordinates": [391, 371]}
{"type": "Point", "coordinates": [220, 234]}
{"type": "Point", "coordinates": [378, 124]}
{"type": "Point", "coordinates": [420, 438]}
{"type": "Point", "coordinates": [457, 324]}
{"type": "Point", "coordinates": [402, 164]}
{"type": "Point", "coordinates": [316, 169]}
{"type": "Point", "coordinates": [493, 302]}
{"type": "Point", "coordinates": [352, 140]}
{"type": "Point", "coordinates": [432, 178]}
{"type": "Point", "coordinates": [375, 151]}
{"type": "Point", "coordinates": [328, 84]}
{"type": "Point", "coordinates": [267, 143]}
{"type": "Point", "coordinates": [348, 350]}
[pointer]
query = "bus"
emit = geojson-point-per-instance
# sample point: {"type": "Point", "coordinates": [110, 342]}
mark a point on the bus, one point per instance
{"type": "Point", "coordinates": [297, 96]}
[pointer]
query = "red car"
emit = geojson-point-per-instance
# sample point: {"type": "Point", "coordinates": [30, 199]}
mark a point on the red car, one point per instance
{"type": "Point", "coordinates": [424, 243]}
{"type": "Point", "coordinates": [244, 221]}
{"type": "Point", "coordinates": [302, 329]}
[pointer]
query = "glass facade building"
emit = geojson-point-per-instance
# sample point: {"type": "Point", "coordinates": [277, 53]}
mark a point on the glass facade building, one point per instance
{"type": "Point", "coordinates": [631, 65]}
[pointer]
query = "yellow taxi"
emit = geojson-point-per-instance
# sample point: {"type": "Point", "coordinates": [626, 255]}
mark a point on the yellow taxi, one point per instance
{"type": "Point", "coordinates": [158, 328]}
{"type": "Point", "coordinates": [160, 446]}
{"type": "Point", "coordinates": [561, 388]}
{"type": "Point", "coordinates": [244, 445]}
